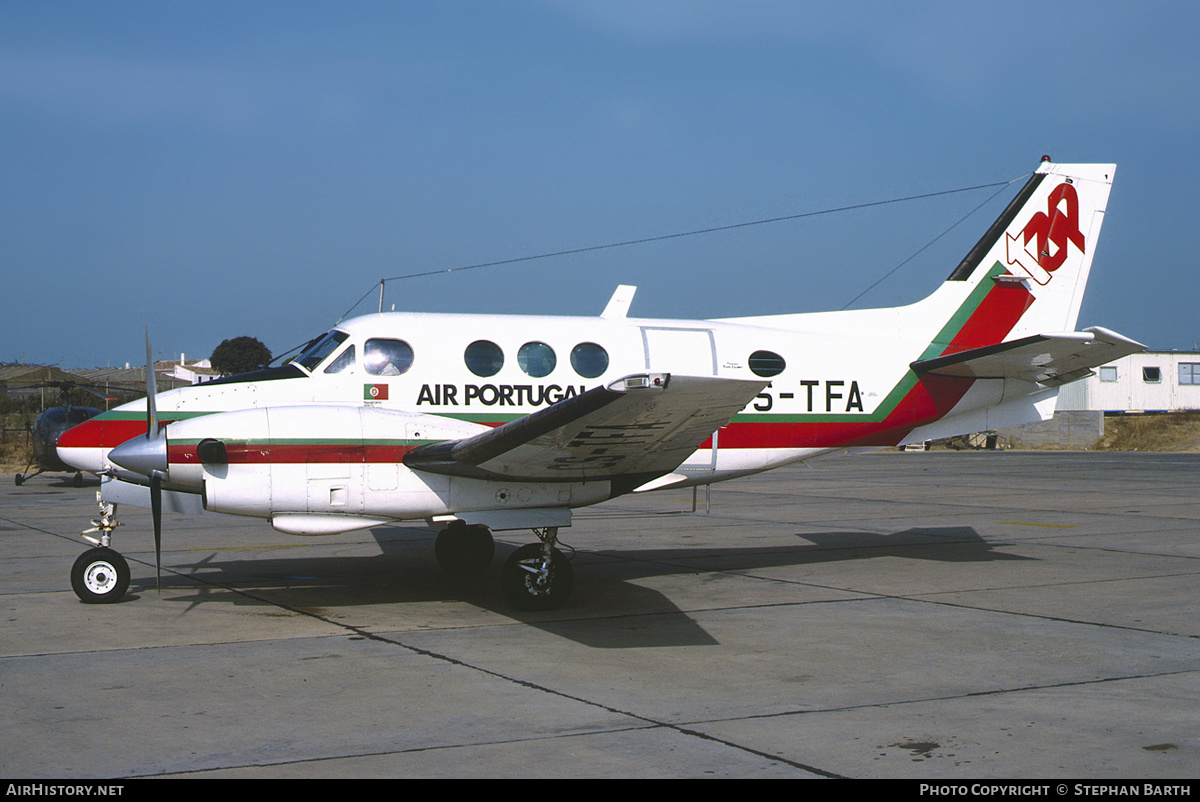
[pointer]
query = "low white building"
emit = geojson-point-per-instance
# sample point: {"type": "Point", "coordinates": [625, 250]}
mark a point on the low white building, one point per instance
{"type": "Point", "coordinates": [1152, 381]}
{"type": "Point", "coordinates": [196, 372]}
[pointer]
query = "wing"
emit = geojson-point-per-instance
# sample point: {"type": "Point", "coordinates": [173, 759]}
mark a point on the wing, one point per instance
{"type": "Point", "coordinates": [638, 427]}
{"type": "Point", "coordinates": [1049, 359]}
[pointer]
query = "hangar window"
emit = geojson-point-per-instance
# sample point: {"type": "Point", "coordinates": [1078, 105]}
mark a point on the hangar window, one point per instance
{"type": "Point", "coordinates": [1189, 372]}
{"type": "Point", "coordinates": [589, 360]}
{"type": "Point", "coordinates": [1108, 373]}
{"type": "Point", "coordinates": [343, 363]}
{"type": "Point", "coordinates": [766, 364]}
{"type": "Point", "coordinates": [484, 358]}
{"type": "Point", "coordinates": [1151, 375]}
{"type": "Point", "coordinates": [387, 357]}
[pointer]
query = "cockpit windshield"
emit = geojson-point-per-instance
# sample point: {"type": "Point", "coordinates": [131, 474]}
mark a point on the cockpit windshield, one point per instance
{"type": "Point", "coordinates": [320, 348]}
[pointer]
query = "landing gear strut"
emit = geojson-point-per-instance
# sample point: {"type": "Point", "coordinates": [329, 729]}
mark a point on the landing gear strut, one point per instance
{"type": "Point", "coordinates": [101, 575]}
{"type": "Point", "coordinates": [538, 576]}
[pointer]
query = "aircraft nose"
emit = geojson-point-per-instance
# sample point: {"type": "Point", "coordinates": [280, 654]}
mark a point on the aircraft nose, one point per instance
{"type": "Point", "coordinates": [143, 455]}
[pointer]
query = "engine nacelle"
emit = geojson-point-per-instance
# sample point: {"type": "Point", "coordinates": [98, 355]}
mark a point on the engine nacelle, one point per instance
{"type": "Point", "coordinates": [321, 470]}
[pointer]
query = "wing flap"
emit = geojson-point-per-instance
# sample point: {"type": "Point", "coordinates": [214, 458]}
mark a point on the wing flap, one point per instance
{"type": "Point", "coordinates": [643, 425]}
{"type": "Point", "coordinates": [1048, 359]}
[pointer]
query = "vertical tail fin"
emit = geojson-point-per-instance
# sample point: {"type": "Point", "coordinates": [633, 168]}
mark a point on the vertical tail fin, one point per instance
{"type": "Point", "coordinates": [1034, 261]}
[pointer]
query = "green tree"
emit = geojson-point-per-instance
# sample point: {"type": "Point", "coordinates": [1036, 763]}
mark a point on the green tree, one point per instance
{"type": "Point", "coordinates": [240, 355]}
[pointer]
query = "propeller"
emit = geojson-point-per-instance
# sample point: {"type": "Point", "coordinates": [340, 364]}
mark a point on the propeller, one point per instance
{"type": "Point", "coordinates": [156, 476]}
{"type": "Point", "coordinates": [148, 456]}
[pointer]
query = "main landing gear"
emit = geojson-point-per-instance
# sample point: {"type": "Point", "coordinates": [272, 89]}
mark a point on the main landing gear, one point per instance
{"type": "Point", "coordinates": [101, 575]}
{"type": "Point", "coordinates": [538, 576]}
{"type": "Point", "coordinates": [464, 550]}
{"type": "Point", "coordinates": [535, 577]}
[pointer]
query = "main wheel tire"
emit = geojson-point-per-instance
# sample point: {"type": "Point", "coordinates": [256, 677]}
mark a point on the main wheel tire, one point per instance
{"type": "Point", "coordinates": [100, 576]}
{"type": "Point", "coordinates": [526, 590]}
{"type": "Point", "coordinates": [464, 550]}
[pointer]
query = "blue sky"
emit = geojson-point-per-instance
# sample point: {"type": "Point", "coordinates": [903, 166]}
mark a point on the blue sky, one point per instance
{"type": "Point", "coordinates": [213, 169]}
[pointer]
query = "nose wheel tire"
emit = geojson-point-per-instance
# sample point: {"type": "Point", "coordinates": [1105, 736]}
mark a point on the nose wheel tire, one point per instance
{"type": "Point", "coordinates": [100, 576]}
{"type": "Point", "coordinates": [530, 582]}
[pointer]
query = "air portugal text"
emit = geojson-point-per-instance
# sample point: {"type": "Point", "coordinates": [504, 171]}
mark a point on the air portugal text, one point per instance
{"type": "Point", "coordinates": [489, 395]}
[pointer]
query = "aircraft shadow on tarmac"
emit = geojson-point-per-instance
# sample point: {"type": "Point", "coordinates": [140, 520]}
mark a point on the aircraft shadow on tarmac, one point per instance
{"type": "Point", "coordinates": [406, 572]}
{"type": "Point", "coordinates": [941, 544]}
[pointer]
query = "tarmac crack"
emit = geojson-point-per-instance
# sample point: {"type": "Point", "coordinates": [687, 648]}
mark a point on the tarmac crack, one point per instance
{"type": "Point", "coordinates": [994, 692]}
{"type": "Point", "coordinates": [650, 723]}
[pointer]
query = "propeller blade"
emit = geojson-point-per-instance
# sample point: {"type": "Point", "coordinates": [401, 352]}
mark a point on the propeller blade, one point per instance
{"type": "Point", "coordinates": [156, 512]}
{"type": "Point", "coordinates": [151, 392]}
{"type": "Point", "coordinates": [155, 440]}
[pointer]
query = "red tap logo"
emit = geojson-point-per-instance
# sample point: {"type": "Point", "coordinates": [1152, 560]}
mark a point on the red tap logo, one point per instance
{"type": "Point", "coordinates": [1050, 232]}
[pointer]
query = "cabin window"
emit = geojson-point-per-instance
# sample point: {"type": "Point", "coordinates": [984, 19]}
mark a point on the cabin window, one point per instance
{"type": "Point", "coordinates": [1151, 375]}
{"type": "Point", "coordinates": [536, 359]}
{"type": "Point", "coordinates": [766, 364]}
{"type": "Point", "coordinates": [1189, 372]}
{"type": "Point", "coordinates": [387, 357]}
{"type": "Point", "coordinates": [343, 363]}
{"type": "Point", "coordinates": [484, 358]}
{"type": "Point", "coordinates": [1108, 373]}
{"type": "Point", "coordinates": [589, 360]}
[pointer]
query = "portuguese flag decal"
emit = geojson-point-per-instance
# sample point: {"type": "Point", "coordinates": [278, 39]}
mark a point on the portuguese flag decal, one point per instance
{"type": "Point", "coordinates": [375, 392]}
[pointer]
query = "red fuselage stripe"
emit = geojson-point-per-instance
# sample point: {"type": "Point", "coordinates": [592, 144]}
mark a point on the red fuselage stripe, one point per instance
{"type": "Point", "coordinates": [295, 453]}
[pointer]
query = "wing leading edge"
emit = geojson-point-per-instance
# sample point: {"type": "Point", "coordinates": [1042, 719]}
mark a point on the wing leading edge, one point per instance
{"type": "Point", "coordinates": [1048, 359]}
{"type": "Point", "coordinates": [635, 429]}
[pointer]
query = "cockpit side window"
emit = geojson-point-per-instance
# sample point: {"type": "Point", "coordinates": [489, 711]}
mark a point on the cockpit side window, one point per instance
{"type": "Point", "coordinates": [322, 347]}
{"type": "Point", "coordinates": [343, 363]}
{"type": "Point", "coordinates": [387, 357]}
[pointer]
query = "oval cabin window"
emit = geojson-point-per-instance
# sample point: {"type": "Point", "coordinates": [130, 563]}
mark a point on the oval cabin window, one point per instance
{"type": "Point", "coordinates": [536, 359]}
{"type": "Point", "coordinates": [766, 364]}
{"type": "Point", "coordinates": [589, 360]}
{"type": "Point", "coordinates": [484, 358]}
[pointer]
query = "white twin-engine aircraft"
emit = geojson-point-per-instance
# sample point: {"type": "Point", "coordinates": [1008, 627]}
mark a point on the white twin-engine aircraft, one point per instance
{"type": "Point", "coordinates": [480, 423]}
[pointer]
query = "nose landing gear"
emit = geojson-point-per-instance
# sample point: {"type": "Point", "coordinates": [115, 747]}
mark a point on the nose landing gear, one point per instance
{"type": "Point", "coordinates": [101, 575]}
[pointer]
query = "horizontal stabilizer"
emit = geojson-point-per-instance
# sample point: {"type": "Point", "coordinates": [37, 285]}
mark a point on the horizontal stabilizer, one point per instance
{"type": "Point", "coordinates": [1049, 359]}
{"type": "Point", "coordinates": [638, 427]}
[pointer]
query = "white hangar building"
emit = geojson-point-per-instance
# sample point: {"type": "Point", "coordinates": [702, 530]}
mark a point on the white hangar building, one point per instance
{"type": "Point", "coordinates": [1152, 381]}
